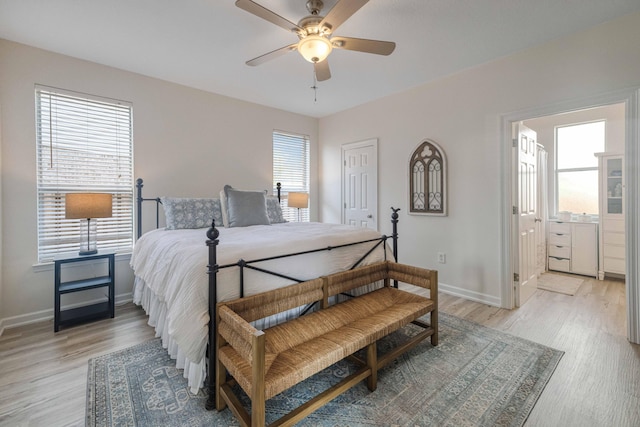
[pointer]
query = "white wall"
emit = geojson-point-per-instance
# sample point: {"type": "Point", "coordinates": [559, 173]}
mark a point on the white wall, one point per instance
{"type": "Point", "coordinates": [462, 113]}
{"type": "Point", "coordinates": [186, 143]}
{"type": "Point", "coordinates": [614, 115]}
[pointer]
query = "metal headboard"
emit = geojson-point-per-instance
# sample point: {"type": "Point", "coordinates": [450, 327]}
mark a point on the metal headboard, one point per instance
{"type": "Point", "coordinates": [140, 200]}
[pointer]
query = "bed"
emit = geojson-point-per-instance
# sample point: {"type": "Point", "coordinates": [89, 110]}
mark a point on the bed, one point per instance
{"type": "Point", "coordinates": [175, 274]}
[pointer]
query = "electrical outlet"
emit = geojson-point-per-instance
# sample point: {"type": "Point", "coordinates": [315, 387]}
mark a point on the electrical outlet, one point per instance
{"type": "Point", "coordinates": [442, 258]}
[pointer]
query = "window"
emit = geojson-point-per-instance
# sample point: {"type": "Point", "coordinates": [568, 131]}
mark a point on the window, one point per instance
{"type": "Point", "coordinates": [84, 144]}
{"type": "Point", "coordinates": [577, 167]}
{"type": "Point", "coordinates": [291, 169]}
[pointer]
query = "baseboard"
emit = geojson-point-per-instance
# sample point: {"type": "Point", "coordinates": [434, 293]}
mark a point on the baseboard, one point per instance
{"type": "Point", "coordinates": [469, 295]}
{"type": "Point", "coordinates": [44, 315]}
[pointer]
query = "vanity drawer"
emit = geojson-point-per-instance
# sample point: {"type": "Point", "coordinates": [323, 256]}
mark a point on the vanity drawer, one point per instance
{"type": "Point", "coordinates": [613, 238]}
{"type": "Point", "coordinates": [560, 227]}
{"type": "Point", "coordinates": [615, 226]}
{"type": "Point", "coordinates": [560, 251]}
{"type": "Point", "coordinates": [614, 251]}
{"type": "Point", "coordinates": [614, 265]}
{"type": "Point", "coordinates": [559, 264]}
{"type": "Point", "coordinates": [558, 239]}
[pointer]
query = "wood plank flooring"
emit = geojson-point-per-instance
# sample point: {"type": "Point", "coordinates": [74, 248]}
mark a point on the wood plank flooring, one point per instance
{"type": "Point", "coordinates": [597, 383]}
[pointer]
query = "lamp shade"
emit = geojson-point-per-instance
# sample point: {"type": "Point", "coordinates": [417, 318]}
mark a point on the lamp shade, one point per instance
{"type": "Point", "coordinates": [298, 200]}
{"type": "Point", "coordinates": [88, 205]}
{"type": "Point", "coordinates": [314, 48]}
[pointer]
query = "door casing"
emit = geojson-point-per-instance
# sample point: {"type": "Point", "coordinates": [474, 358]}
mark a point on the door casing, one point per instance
{"type": "Point", "coordinates": [631, 99]}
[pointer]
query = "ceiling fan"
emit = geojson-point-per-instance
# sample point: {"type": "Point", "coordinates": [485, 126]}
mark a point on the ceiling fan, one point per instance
{"type": "Point", "coordinates": [316, 34]}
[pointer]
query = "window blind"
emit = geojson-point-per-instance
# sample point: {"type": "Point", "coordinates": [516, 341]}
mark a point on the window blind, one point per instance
{"type": "Point", "coordinates": [84, 144]}
{"type": "Point", "coordinates": [291, 169]}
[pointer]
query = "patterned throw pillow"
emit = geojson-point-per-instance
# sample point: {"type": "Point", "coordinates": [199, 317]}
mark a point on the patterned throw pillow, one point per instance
{"type": "Point", "coordinates": [191, 212]}
{"type": "Point", "coordinates": [274, 211]}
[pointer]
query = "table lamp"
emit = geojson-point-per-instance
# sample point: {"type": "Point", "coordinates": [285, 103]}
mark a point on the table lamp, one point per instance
{"type": "Point", "coordinates": [88, 206]}
{"type": "Point", "coordinates": [298, 200]}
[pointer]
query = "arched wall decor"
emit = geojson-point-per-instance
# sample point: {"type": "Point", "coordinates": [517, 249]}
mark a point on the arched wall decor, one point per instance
{"type": "Point", "coordinates": [428, 180]}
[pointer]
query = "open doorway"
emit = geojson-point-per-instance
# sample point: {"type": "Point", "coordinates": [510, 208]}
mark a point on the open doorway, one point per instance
{"type": "Point", "coordinates": [580, 229]}
{"type": "Point", "coordinates": [629, 100]}
{"type": "Point", "coordinates": [583, 195]}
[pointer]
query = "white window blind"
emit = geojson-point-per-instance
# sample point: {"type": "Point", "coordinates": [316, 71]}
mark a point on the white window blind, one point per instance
{"type": "Point", "coordinates": [84, 144]}
{"type": "Point", "coordinates": [291, 169]}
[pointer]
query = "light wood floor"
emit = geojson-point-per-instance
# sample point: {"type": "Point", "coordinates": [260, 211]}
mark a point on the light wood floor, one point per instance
{"type": "Point", "coordinates": [597, 383]}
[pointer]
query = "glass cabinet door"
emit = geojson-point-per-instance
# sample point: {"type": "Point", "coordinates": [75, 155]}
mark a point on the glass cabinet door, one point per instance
{"type": "Point", "coordinates": [615, 189]}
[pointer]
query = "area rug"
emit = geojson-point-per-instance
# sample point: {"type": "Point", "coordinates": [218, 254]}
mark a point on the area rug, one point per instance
{"type": "Point", "coordinates": [559, 283]}
{"type": "Point", "coordinates": [476, 376]}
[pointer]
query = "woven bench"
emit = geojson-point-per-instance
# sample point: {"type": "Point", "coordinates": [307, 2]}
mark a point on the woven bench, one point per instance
{"type": "Point", "coordinates": [265, 363]}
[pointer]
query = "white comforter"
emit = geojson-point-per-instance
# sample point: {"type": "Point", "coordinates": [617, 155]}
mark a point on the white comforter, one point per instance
{"type": "Point", "coordinates": [172, 265]}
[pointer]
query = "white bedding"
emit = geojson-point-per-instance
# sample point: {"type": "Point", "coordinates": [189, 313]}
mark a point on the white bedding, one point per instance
{"type": "Point", "coordinates": [172, 285]}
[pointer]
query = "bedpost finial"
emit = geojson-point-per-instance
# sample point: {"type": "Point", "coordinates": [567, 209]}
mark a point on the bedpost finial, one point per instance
{"type": "Point", "coordinates": [213, 232]}
{"type": "Point", "coordinates": [394, 215]}
{"type": "Point", "coordinates": [139, 181]}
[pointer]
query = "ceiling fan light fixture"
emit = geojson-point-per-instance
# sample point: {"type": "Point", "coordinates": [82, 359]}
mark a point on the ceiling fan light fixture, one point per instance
{"type": "Point", "coordinates": [314, 48]}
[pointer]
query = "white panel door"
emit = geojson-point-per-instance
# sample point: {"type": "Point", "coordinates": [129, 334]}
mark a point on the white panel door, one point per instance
{"type": "Point", "coordinates": [527, 197]}
{"type": "Point", "coordinates": [360, 184]}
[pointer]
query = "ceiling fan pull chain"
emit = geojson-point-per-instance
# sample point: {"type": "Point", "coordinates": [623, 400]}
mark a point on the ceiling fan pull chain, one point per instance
{"type": "Point", "coordinates": [315, 87]}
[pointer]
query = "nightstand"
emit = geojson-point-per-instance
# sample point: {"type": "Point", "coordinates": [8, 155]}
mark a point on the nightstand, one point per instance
{"type": "Point", "coordinates": [89, 312]}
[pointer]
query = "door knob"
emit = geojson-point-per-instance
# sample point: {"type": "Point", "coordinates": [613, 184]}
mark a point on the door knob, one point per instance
{"type": "Point", "coordinates": [538, 220]}
{"type": "Point", "coordinates": [369, 216]}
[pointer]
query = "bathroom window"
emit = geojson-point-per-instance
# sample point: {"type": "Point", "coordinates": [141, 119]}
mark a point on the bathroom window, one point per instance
{"type": "Point", "coordinates": [577, 167]}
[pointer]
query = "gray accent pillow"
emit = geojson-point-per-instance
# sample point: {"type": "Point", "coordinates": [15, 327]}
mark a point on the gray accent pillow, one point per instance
{"type": "Point", "coordinates": [245, 208]}
{"type": "Point", "coordinates": [225, 210]}
{"type": "Point", "coordinates": [191, 212]}
{"type": "Point", "coordinates": [274, 211]}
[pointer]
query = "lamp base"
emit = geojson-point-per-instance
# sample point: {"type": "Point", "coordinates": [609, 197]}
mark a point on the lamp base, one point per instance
{"type": "Point", "coordinates": [88, 241]}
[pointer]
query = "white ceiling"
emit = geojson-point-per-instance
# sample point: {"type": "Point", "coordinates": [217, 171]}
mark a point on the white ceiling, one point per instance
{"type": "Point", "coordinates": [205, 43]}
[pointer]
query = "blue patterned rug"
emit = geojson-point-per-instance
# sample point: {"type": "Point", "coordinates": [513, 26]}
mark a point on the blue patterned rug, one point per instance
{"type": "Point", "coordinates": [476, 377]}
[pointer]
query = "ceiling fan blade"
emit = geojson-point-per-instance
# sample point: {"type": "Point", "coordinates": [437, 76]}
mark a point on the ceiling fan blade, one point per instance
{"type": "Point", "coordinates": [342, 10]}
{"type": "Point", "coordinates": [378, 47]}
{"type": "Point", "coordinates": [264, 13]}
{"type": "Point", "coordinates": [322, 70]}
{"type": "Point", "coordinates": [272, 55]}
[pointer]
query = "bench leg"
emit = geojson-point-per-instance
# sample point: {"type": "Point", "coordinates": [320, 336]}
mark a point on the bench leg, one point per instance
{"type": "Point", "coordinates": [221, 377]}
{"type": "Point", "coordinates": [434, 325]}
{"type": "Point", "coordinates": [258, 373]}
{"type": "Point", "coordinates": [372, 363]}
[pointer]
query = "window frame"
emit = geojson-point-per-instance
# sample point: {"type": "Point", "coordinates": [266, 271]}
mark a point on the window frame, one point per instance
{"type": "Point", "coordinates": [62, 149]}
{"type": "Point", "coordinates": [558, 171]}
{"type": "Point", "coordinates": [304, 179]}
